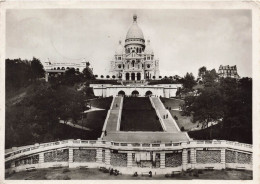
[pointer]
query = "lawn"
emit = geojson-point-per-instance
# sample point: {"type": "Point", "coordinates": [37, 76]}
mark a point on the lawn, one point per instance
{"type": "Point", "coordinates": [95, 174]}
{"type": "Point", "coordinates": [183, 121]}
{"type": "Point", "coordinates": [94, 120]}
{"type": "Point", "coordinates": [139, 115]}
{"type": "Point", "coordinates": [171, 102]}
{"type": "Point", "coordinates": [102, 103]}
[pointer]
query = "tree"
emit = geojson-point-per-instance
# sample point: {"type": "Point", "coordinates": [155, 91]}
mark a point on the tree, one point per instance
{"type": "Point", "coordinates": [202, 72]}
{"type": "Point", "coordinates": [37, 68]}
{"type": "Point", "coordinates": [207, 107]}
{"type": "Point", "coordinates": [160, 77]}
{"type": "Point", "coordinates": [188, 82]}
{"type": "Point", "coordinates": [108, 76]}
{"type": "Point", "coordinates": [102, 76]}
{"type": "Point", "coordinates": [88, 74]}
{"type": "Point", "coordinates": [153, 77]}
{"type": "Point", "coordinates": [210, 78]}
{"type": "Point", "coordinates": [113, 76]}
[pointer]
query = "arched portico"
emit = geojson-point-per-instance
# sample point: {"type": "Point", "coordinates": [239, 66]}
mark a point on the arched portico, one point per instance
{"type": "Point", "coordinates": [121, 93]}
{"type": "Point", "coordinates": [135, 93]}
{"type": "Point", "coordinates": [148, 93]}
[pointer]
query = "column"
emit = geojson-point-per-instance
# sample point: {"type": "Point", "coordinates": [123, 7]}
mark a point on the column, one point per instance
{"type": "Point", "coordinates": [99, 155]}
{"type": "Point", "coordinates": [223, 158]}
{"type": "Point", "coordinates": [193, 157]}
{"type": "Point", "coordinates": [41, 157]}
{"type": "Point", "coordinates": [129, 159]}
{"type": "Point", "coordinates": [46, 77]}
{"type": "Point", "coordinates": [184, 159]}
{"type": "Point", "coordinates": [107, 156]}
{"type": "Point", "coordinates": [162, 160]}
{"type": "Point", "coordinates": [70, 155]}
{"type": "Point", "coordinates": [135, 76]}
{"type": "Point", "coordinates": [130, 76]}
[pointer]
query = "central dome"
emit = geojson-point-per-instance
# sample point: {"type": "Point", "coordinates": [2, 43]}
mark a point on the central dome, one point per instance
{"type": "Point", "coordinates": [134, 31]}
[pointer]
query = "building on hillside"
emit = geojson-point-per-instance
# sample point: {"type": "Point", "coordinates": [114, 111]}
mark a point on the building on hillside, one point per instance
{"type": "Point", "coordinates": [228, 71]}
{"type": "Point", "coordinates": [134, 61]}
{"type": "Point", "coordinates": [54, 69]}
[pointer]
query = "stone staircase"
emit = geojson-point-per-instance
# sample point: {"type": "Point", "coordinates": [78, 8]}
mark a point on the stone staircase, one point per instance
{"type": "Point", "coordinates": [169, 123]}
{"type": "Point", "coordinates": [113, 116]}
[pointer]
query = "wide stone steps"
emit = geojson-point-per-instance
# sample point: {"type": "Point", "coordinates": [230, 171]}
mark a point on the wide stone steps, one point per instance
{"type": "Point", "coordinates": [166, 117]}
{"type": "Point", "coordinates": [114, 114]}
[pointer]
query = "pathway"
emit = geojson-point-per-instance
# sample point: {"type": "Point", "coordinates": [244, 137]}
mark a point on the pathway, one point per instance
{"type": "Point", "coordinates": [169, 123]}
{"type": "Point", "coordinates": [113, 116]}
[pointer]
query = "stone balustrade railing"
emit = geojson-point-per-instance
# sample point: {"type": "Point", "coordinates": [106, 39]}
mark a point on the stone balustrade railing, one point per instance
{"type": "Point", "coordinates": [18, 152]}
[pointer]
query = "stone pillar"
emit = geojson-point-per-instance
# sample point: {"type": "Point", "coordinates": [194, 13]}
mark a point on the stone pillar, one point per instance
{"type": "Point", "coordinates": [46, 77]}
{"type": "Point", "coordinates": [13, 164]}
{"type": "Point", "coordinates": [193, 157]}
{"type": "Point", "coordinates": [70, 155]}
{"type": "Point", "coordinates": [130, 78]}
{"type": "Point", "coordinates": [41, 157]}
{"type": "Point", "coordinates": [129, 159]}
{"type": "Point", "coordinates": [99, 155]}
{"type": "Point", "coordinates": [184, 159]}
{"type": "Point", "coordinates": [107, 157]}
{"type": "Point", "coordinates": [223, 158]}
{"type": "Point", "coordinates": [136, 76]}
{"type": "Point", "coordinates": [162, 160]}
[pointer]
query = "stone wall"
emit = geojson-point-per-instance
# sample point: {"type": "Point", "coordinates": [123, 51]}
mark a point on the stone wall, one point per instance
{"type": "Point", "coordinates": [173, 159]}
{"type": "Point", "coordinates": [57, 156]}
{"type": "Point", "coordinates": [238, 157]}
{"type": "Point", "coordinates": [29, 160]}
{"type": "Point", "coordinates": [208, 156]}
{"type": "Point", "coordinates": [230, 156]}
{"type": "Point", "coordinates": [119, 159]}
{"type": "Point", "coordinates": [243, 158]}
{"type": "Point", "coordinates": [84, 155]}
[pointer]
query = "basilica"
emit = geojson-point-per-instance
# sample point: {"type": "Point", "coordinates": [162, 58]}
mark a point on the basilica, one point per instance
{"type": "Point", "coordinates": [134, 60]}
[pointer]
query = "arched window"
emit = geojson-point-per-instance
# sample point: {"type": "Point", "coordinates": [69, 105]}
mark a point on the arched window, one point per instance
{"type": "Point", "coordinates": [133, 63]}
{"type": "Point", "coordinates": [58, 68]}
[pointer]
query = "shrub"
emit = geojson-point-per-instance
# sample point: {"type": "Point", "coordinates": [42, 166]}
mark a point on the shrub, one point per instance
{"type": "Point", "coordinates": [196, 173]}
{"type": "Point", "coordinates": [66, 177]}
{"type": "Point", "coordinates": [65, 170]}
{"type": "Point", "coordinates": [182, 128]}
{"type": "Point", "coordinates": [200, 172]}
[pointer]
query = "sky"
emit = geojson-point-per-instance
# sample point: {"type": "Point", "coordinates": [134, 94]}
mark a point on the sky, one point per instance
{"type": "Point", "coordinates": [182, 40]}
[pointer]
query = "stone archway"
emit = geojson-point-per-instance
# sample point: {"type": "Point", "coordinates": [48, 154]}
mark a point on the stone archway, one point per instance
{"type": "Point", "coordinates": [148, 93]}
{"type": "Point", "coordinates": [121, 93]}
{"type": "Point", "coordinates": [135, 93]}
{"type": "Point", "coordinates": [127, 76]}
{"type": "Point", "coordinates": [132, 76]}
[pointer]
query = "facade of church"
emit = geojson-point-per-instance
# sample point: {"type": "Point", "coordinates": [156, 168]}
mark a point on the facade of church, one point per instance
{"type": "Point", "coordinates": [134, 61]}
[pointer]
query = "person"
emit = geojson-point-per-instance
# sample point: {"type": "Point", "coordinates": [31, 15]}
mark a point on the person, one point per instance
{"type": "Point", "coordinates": [150, 173]}
{"type": "Point", "coordinates": [105, 133]}
{"type": "Point", "coordinates": [116, 105]}
{"type": "Point", "coordinates": [111, 171]}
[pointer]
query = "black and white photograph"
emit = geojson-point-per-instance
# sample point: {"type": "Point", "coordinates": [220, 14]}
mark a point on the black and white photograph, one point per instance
{"type": "Point", "coordinates": [129, 93]}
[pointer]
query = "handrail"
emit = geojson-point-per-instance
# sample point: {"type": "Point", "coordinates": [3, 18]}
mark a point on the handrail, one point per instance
{"type": "Point", "coordinates": [195, 143]}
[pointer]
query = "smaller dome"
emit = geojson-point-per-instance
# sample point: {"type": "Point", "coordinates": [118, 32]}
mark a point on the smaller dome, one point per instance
{"type": "Point", "coordinates": [120, 49]}
{"type": "Point", "coordinates": [148, 48]}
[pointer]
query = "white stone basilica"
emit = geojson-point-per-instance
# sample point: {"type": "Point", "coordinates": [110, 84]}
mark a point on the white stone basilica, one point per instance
{"type": "Point", "coordinates": [134, 60]}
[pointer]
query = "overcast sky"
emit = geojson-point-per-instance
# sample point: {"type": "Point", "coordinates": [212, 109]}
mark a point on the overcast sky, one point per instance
{"type": "Point", "coordinates": [183, 40]}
